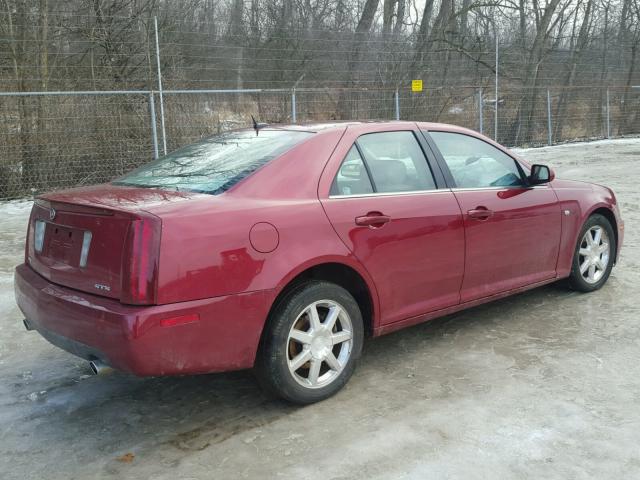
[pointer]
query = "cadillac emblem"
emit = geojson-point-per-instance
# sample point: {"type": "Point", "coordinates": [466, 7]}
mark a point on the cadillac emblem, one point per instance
{"type": "Point", "coordinates": [52, 214]}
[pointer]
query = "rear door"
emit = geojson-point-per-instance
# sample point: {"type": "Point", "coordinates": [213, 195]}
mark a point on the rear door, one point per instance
{"type": "Point", "coordinates": [512, 229]}
{"type": "Point", "coordinates": [383, 198]}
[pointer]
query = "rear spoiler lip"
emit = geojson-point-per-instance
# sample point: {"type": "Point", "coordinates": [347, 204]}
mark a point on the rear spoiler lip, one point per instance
{"type": "Point", "coordinates": [80, 207]}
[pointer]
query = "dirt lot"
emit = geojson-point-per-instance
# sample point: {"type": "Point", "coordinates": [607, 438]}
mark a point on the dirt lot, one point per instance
{"type": "Point", "coordinates": [542, 385]}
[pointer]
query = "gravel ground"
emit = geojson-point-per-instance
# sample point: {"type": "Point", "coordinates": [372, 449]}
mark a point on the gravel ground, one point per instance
{"type": "Point", "coordinates": [545, 384]}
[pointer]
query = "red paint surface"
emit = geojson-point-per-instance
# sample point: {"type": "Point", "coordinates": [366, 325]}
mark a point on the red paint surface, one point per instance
{"type": "Point", "coordinates": [132, 338]}
{"type": "Point", "coordinates": [223, 259]}
{"type": "Point", "coordinates": [421, 248]}
{"type": "Point", "coordinates": [517, 245]}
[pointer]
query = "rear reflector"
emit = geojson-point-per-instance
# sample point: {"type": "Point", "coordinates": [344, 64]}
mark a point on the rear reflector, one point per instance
{"type": "Point", "coordinates": [181, 320]}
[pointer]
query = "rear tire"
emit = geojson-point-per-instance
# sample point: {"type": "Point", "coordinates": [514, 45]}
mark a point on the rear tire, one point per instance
{"type": "Point", "coordinates": [311, 343]}
{"type": "Point", "coordinates": [594, 255]}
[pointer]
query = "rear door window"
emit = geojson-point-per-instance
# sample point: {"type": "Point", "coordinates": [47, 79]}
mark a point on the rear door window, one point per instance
{"type": "Point", "coordinates": [352, 178]}
{"type": "Point", "coordinates": [396, 162]}
{"type": "Point", "coordinates": [384, 162]}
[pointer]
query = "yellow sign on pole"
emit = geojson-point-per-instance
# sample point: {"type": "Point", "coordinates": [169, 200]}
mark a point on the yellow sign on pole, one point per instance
{"type": "Point", "coordinates": [416, 85]}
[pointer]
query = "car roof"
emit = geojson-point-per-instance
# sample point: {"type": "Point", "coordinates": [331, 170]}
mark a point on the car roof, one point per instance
{"type": "Point", "coordinates": [315, 127]}
{"type": "Point", "coordinates": [322, 126]}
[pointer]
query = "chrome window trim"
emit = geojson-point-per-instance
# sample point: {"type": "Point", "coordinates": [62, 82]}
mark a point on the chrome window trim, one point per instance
{"type": "Point", "coordinates": [389, 194]}
{"type": "Point", "coordinates": [506, 187]}
{"type": "Point", "coordinates": [438, 190]}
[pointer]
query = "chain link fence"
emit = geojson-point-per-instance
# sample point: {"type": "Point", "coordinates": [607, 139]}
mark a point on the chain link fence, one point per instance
{"type": "Point", "coordinates": [56, 141]}
{"type": "Point", "coordinates": [87, 94]}
{"type": "Point", "coordinates": [62, 139]}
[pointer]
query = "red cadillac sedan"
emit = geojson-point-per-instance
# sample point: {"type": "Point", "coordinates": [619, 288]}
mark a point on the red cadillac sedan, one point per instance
{"type": "Point", "coordinates": [281, 248]}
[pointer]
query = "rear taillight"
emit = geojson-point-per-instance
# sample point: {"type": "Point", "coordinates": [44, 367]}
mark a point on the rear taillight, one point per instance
{"type": "Point", "coordinates": [140, 262]}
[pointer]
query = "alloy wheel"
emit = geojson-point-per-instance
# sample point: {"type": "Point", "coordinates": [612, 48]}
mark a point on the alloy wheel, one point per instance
{"type": "Point", "coordinates": [593, 254]}
{"type": "Point", "coordinates": [319, 344]}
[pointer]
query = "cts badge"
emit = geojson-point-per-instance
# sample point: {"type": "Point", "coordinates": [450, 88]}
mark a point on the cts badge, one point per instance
{"type": "Point", "coordinates": [104, 288]}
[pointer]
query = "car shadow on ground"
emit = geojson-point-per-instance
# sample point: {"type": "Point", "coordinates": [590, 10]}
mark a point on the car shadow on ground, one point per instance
{"type": "Point", "coordinates": [191, 413]}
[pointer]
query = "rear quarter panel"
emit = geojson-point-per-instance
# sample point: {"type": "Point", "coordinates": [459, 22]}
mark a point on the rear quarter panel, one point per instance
{"type": "Point", "coordinates": [207, 253]}
{"type": "Point", "coordinates": [206, 249]}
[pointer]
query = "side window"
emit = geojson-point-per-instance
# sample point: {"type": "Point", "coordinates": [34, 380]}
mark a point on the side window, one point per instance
{"type": "Point", "coordinates": [396, 162]}
{"type": "Point", "coordinates": [352, 178]}
{"type": "Point", "coordinates": [474, 163]}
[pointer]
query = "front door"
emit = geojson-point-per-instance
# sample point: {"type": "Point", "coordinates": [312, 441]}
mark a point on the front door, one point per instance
{"type": "Point", "coordinates": [382, 199]}
{"type": "Point", "coordinates": [512, 230]}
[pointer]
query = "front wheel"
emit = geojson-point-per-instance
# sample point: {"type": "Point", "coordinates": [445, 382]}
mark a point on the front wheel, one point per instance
{"type": "Point", "coordinates": [594, 255]}
{"type": "Point", "coordinates": [312, 341]}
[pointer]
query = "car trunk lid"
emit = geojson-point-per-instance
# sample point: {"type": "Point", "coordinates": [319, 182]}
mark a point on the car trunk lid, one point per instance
{"type": "Point", "coordinates": [78, 246]}
{"type": "Point", "coordinates": [99, 240]}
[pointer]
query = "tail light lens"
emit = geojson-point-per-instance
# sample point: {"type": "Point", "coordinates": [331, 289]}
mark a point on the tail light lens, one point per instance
{"type": "Point", "coordinates": [30, 230]}
{"type": "Point", "coordinates": [140, 261]}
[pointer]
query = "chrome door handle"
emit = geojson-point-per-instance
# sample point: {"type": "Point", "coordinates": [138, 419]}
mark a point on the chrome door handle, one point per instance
{"type": "Point", "coordinates": [480, 213]}
{"type": "Point", "coordinates": [373, 220]}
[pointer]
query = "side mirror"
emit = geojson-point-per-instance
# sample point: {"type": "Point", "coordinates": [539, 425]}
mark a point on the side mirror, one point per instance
{"type": "Point", "coordinates": [540, 174]}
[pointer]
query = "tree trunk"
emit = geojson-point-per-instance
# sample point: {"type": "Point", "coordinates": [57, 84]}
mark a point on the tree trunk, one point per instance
{"type": "Point", "coordinates": [388, 8]}
{"type": "Point", "coordinates": [344, 107]}
{"type": "Point", "coordinates": [523, 23]}
{"type": "Point", "coordinates": [236, 39]}
{"type": "Point", "coordinates": [422, 44]}
{"type": "Point", "coordinates": [464, 20]}
{"type": "Point", "coordinates": [527, 107]}
{"type": "Point", "coordinates": [577, 55]}
{"type": "Point", "coordinates": [397, 28]}
{"type": "Point", "coordinates": [629, 116]}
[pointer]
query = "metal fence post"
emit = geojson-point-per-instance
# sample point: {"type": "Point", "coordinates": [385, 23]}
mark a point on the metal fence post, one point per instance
{"type": "Point", "coordinates": [608, 117]}
{"type": "Point", "coordinates": [293, 106]}
{"type": "Point", "coordinates": [549, 135]}
{"type": "Point", "coordinates": [164, 133]}
{"type": "Point", "coordinates": [154, 130]}
{"type": "Point", "coordinates": [480, 112]}
{"type": "Point", "coordinates": [495, 127]}
{"type": "Point", "coordinates": [397, 104]}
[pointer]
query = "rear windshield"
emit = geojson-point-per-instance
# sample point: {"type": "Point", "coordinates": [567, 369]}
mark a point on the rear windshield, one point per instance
{"type": "Point", "coordinates": [215, 164]}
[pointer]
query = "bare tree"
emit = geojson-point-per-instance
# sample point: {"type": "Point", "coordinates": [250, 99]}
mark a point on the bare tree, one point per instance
{"type": "Point", "coordinates": [363, 48]}
{"type": "Point", "coordinates": [630, 101]}
{"type": "Point", "coordinates": [362, 31]}
{"type": "Point", "coordinates": [524, 123]}
{"type": "Point", "coordinates": [577, 55]}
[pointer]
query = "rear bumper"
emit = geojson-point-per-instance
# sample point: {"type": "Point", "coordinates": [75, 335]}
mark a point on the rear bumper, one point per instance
{"type": "Point", "coordinates": [132, 339]}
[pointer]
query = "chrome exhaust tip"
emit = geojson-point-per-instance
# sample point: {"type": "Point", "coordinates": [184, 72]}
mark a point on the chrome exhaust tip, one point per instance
{"type": "Point", "coordinates": [99, 368]}
{"type": "Point", "coordinates": [25, 322]}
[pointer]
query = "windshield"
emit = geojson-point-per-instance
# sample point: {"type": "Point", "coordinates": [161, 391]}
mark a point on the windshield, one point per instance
{"type": "Point", "coordinates": [216, 163]}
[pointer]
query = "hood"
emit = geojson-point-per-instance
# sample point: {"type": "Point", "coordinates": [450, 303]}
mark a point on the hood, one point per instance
{"type": "Point", "coordinates": [558, 183]}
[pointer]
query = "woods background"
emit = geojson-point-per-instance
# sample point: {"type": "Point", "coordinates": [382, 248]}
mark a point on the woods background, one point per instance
{"type": "Point", "coordinates": [566, 64]}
